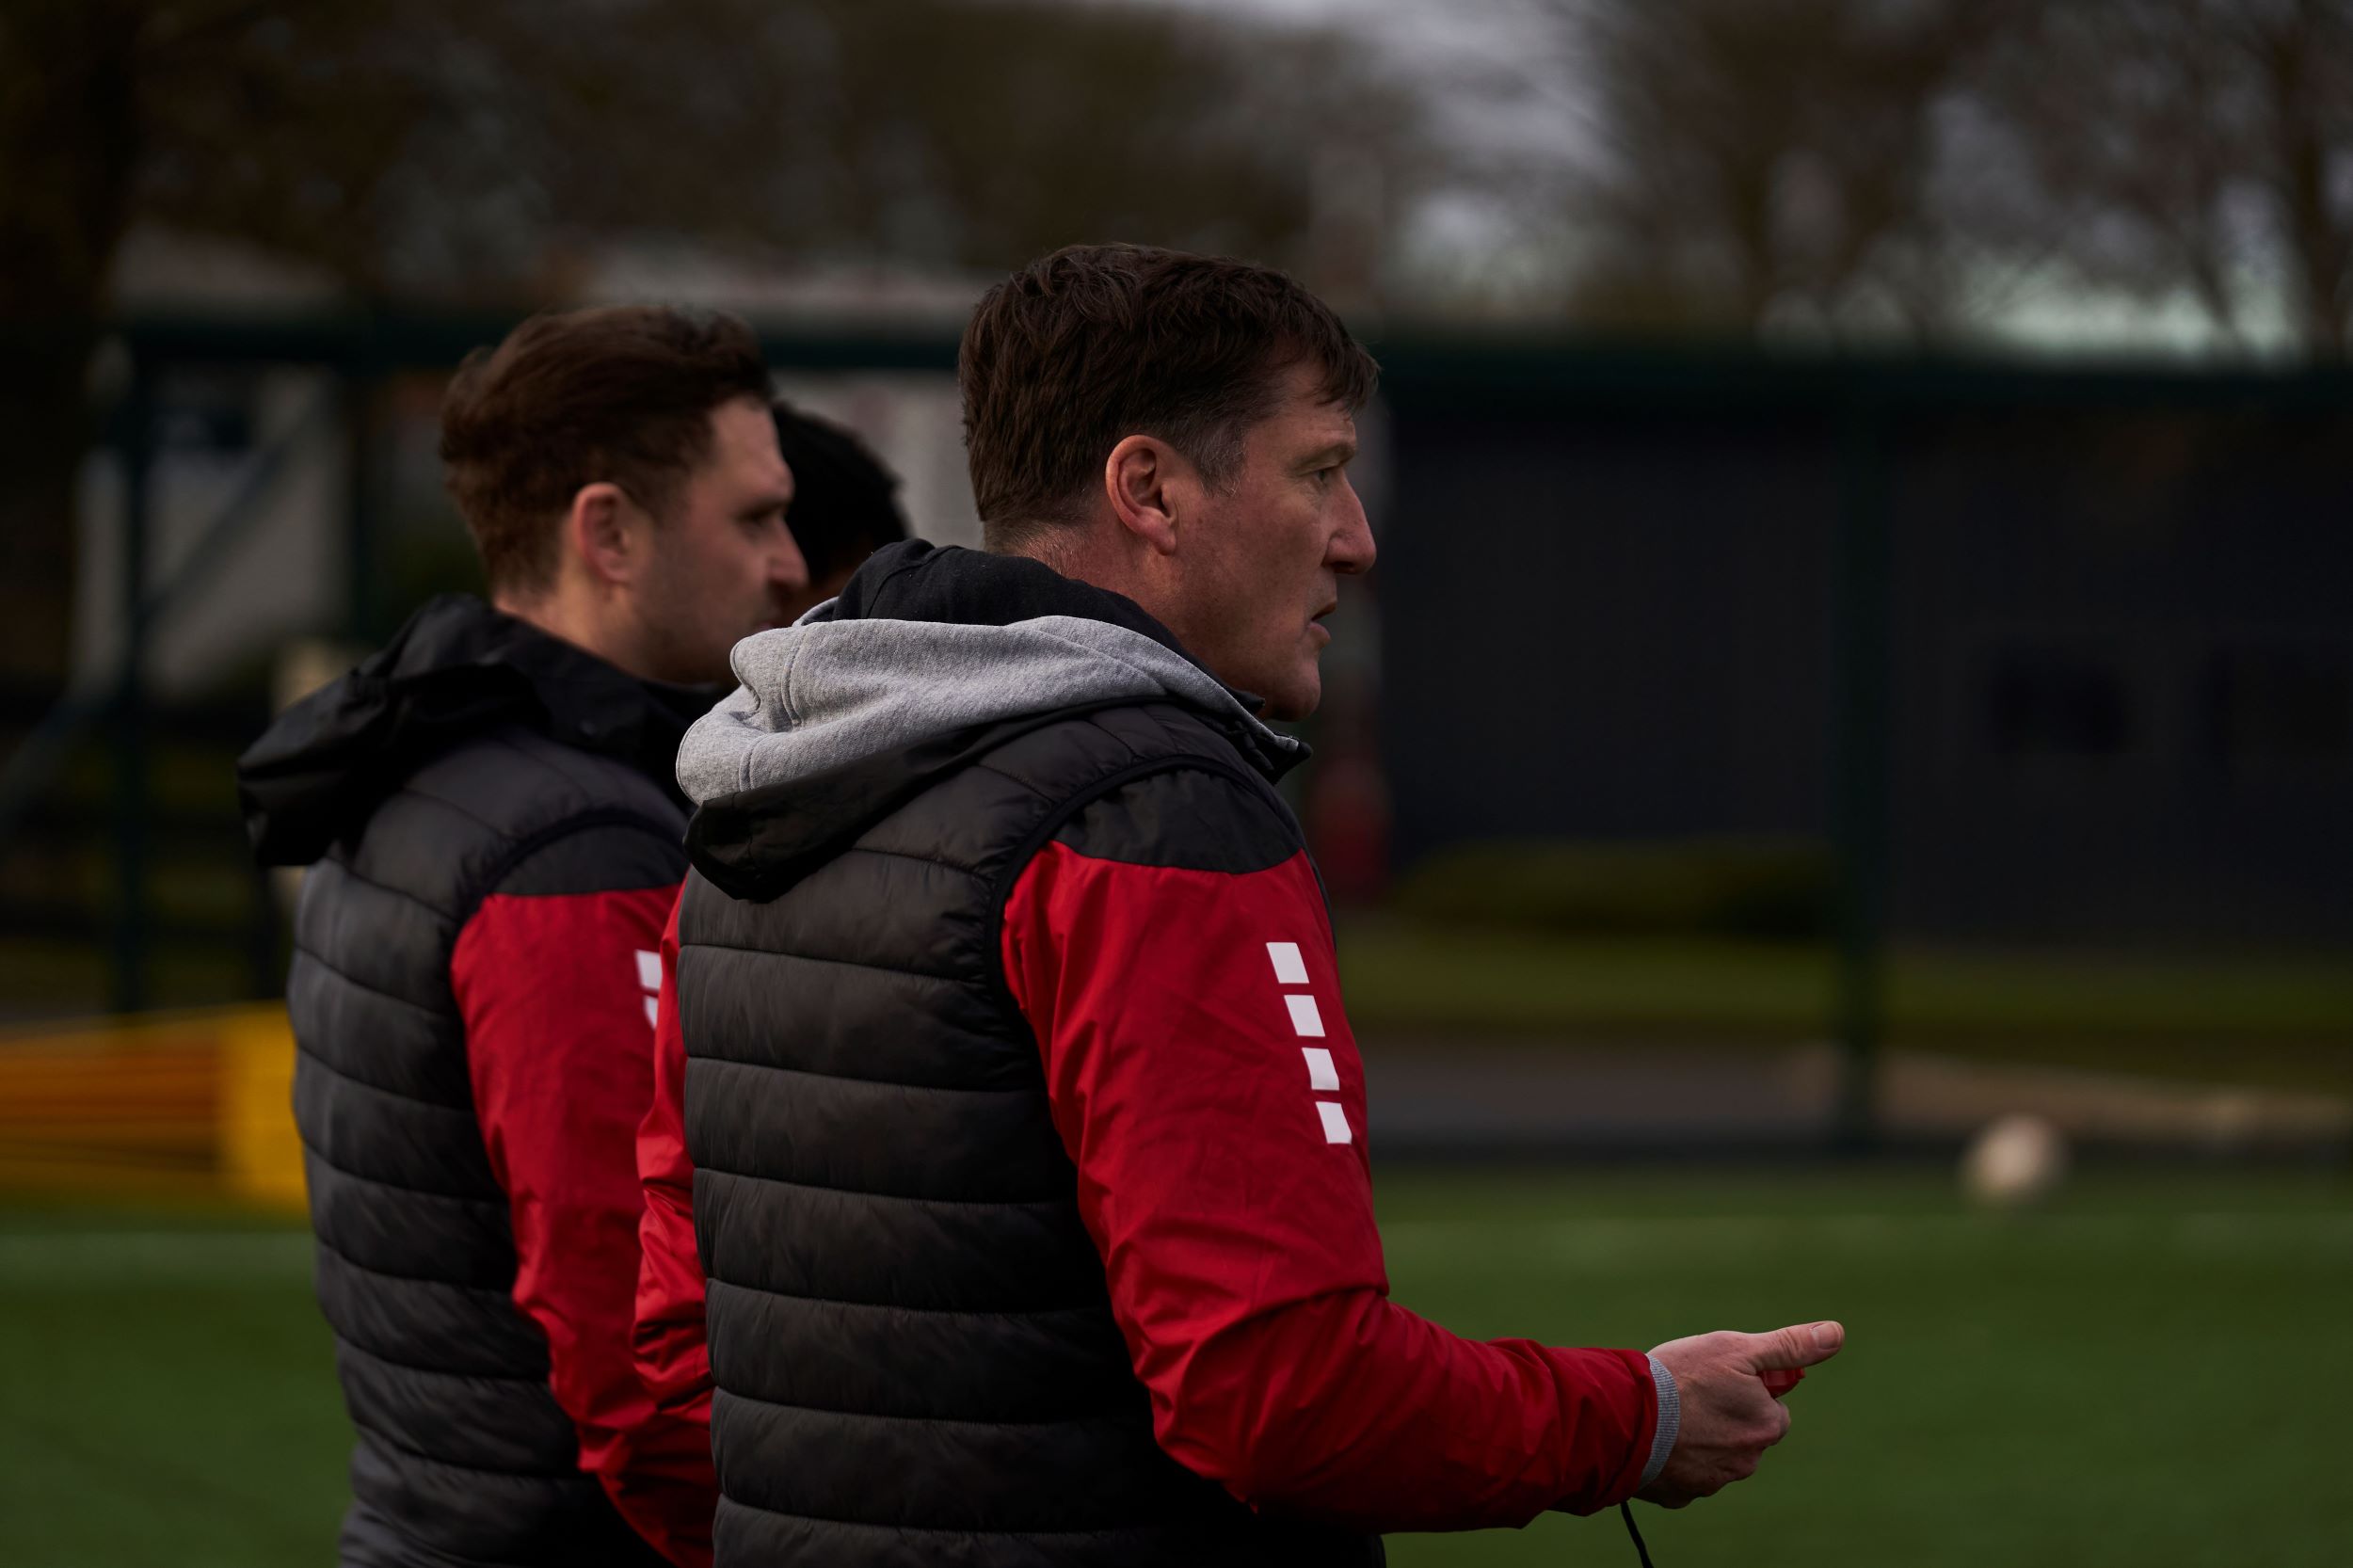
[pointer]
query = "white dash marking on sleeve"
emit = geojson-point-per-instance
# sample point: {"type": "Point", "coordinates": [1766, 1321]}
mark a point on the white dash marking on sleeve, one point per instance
{"type": "Point", "coordinates": [1305, 1021]}
{"type": "Point", "coordinates": [649, 970]}
{"type": "Point", "coordinates": [1290, 969]}
{"type": "Point", "coordinates": [653, 1009]}
{"type": "Point", "coordinates": [1322, 1076]}
{"type": "Point", "coordinates": [1334, 1122]}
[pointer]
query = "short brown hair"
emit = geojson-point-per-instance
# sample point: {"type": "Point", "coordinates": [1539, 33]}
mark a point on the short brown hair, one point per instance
{"type": "Point", "coordinates": [622, 394]}
{"type": "Point", "coordinates": [1078, 351]}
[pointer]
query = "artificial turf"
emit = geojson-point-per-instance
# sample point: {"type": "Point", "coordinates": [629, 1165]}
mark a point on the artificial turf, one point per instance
{"type": "Point", "coordinates": [2153, 1370]}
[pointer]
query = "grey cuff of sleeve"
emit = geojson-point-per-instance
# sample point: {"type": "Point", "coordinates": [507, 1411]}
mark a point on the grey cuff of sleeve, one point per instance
{"type": "Point", "coordinates": [1669, 1420]}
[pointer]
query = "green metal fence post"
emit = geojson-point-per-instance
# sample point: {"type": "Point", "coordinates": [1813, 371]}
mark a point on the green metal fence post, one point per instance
{"type": "Point", "coordinates": [129, 981]}
{"type": "Point", "coordinates": [1860, 739]}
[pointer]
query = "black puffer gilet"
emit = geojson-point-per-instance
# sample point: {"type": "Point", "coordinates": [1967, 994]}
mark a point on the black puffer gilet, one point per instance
{"type": "Point", "coordinates": [473, 754]}
{"type": "Point", "coordinates": [910, 1329]}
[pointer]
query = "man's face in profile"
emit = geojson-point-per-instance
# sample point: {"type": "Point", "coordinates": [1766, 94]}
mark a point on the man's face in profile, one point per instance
{"type": "Point", "coordinates": [725, 565]}
{"type": "Point", "coordinates": [1278, 537]}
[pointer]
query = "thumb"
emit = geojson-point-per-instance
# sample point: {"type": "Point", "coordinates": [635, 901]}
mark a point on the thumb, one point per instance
{"type": "Point", "coordinates": [1800, 1345]}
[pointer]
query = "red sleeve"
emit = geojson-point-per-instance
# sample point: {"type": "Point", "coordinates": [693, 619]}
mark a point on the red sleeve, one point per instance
{"type": "Point", "coordinates": [1206, 1084]}
{"type": "Point", "coordinates": [673, 1357]}
{"type": "Point", "coordinates": [557, 995]}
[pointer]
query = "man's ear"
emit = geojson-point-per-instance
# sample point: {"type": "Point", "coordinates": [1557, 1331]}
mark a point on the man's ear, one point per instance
{"type": "Point", "coordinates": [604, 530]}
{"type": "Point", "coordinates": [1150, 487]}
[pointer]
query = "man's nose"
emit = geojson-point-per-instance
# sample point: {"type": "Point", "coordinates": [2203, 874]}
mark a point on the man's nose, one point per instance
{"type": "Point", "coordinates": [1352, 550]}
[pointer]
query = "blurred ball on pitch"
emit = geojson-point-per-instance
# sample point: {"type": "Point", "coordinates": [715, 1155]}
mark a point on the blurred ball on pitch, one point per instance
{"type": "Point", "coordinates": [2013, 1161]}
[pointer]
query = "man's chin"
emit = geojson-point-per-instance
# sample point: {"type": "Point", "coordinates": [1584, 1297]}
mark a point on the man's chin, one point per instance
{"type": "Point", "coordinates": [1290, 707]}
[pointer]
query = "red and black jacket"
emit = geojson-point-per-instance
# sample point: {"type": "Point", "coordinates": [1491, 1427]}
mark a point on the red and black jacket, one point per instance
{"type": "Point", "coordinates": [497, 844]}
{"type": "Point", "coordinates": [1026, 1132]}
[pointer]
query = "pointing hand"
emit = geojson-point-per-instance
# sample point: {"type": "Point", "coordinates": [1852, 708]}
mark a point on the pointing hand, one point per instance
{"type": "Point", "coordinates": [1728, 1383]}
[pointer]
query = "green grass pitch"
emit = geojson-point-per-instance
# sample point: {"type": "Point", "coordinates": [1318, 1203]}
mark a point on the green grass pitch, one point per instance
{"type": "Point", "coordinates": [2152, 1371]}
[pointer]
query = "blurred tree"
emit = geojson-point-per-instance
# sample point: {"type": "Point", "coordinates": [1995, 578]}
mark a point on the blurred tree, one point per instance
{"type": "Point", "coordinates": [2136, 156]}
{"type": "Point", "coordinates": [480, 151]}
{"type": "Point", "coordinates": [1775, 158]}
{"type": "Point", "coordinates": [1840, 161]}
{"type": "Point", "coordinates": [2198, 144]}
{"type": "Point", "coordinates": [65, 159]}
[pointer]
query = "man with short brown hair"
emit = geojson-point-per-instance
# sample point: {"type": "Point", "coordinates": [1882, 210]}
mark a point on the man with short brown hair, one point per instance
{"type": "Point", "coordinates": [490, 805]}
{"type": "Point", "coordinates": [1027, 1130]}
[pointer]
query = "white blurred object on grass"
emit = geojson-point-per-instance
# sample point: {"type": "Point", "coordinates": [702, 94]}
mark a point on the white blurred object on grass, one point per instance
{"type": "Point", "coordinates": [2014, 1160]}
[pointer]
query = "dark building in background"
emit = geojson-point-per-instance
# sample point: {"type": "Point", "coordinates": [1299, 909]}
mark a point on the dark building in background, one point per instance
{"type": "Point", "coordinates": [2118, 624]}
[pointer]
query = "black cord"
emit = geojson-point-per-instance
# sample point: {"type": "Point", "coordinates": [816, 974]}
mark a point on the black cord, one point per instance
{"type": "Point", "coordinates": [1625, 1512]}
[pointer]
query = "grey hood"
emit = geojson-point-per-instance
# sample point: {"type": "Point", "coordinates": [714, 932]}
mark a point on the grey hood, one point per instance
{"type": "Point", "coordinates": [929, 659]}
{"type": "Point", "coordinates": [827, 694]}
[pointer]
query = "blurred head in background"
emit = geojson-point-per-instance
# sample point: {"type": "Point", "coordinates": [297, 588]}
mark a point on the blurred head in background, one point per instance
{"type": "Point", "coordinates": [620, 472]}
{"type": "Point", "coordinates": [1176, 428]}
{"type": "Point", "coordinates": [845, 502]}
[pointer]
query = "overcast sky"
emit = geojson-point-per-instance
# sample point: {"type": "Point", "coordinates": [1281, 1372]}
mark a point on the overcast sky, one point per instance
{"type": "Point", "coordinates": [1500, 73]}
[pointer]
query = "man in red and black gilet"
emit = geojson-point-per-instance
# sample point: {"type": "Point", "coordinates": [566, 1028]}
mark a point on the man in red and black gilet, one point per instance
{"type": "Point", "coordinates": [490, 817]}
{"type": "Point", "coordinates": [1023, 1126]}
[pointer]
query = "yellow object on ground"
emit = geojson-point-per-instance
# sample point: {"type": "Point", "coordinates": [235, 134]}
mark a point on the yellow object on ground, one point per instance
{"type": "Point", "coordinates": [182, 1105]}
